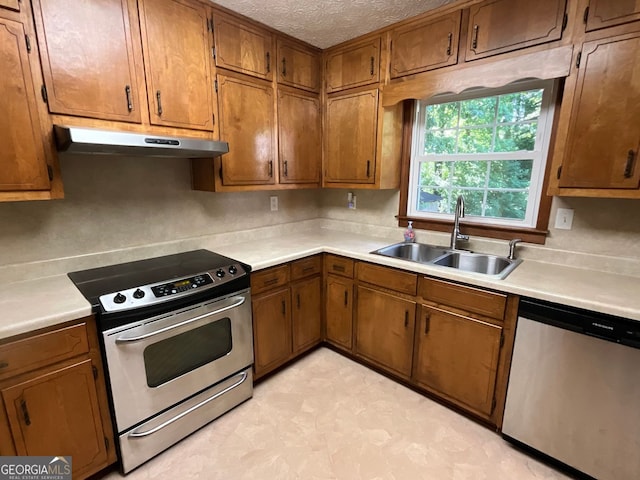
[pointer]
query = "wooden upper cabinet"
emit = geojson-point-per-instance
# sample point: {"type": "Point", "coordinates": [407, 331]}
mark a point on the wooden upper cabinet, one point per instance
{"type": "Point", "coordinates": [23, 158]}
{"type": "Point", "coordinates": [425, 45]}
{"type": "Point", "coordinates": [350, 137]}
{"type": "Point", "coordinates": [243, 47]}
{"type": "Point", "coordinates": [247, 123]}
{"type": "Point", "coordinates": [354, 65]}
{"type": "Point", "coordinates": [607, 13]}
{"type": "Point", "coordinates": [88, 60]}
{"type": "Point", "coordinates": [604, 135]}
{"type": "Point", "coordinates": [298, 66]}
{"type": "Point", "coordinates": [299, 134]}
{"type": "Point", "coordinates": [498, 26]}
{"type": "Point", "coordinates": [177, 51]}
{"type": "Point", "coordinates": [10, 4]}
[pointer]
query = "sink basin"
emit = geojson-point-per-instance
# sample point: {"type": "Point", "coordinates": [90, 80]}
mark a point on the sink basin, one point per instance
{"type": "Point", "coordinates": [416, 252]}
{"type": "Point", "coordinates": [493, 265]}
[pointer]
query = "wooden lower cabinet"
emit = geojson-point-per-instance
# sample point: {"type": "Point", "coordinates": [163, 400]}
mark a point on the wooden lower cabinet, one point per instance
{"type": "Point", "coordinates": [55, 403]}
{"type": "Point", "coordinates": [306, 310]}
{"type": "Point", "coordinates": [456, 356]}
{"type": "Point", "coordinates": [339, 311]}
{"type": "Point", "coordinates": [271, 330]}
{"type": "Point", "coordinates": [385, 327]}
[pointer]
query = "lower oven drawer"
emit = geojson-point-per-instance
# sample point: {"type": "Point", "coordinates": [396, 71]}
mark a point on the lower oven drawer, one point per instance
{"type": "Point", "coordinates": [159, 433]}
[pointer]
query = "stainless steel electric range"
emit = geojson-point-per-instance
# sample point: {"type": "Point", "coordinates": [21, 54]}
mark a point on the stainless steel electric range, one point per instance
{"type": "Point", "coordinates": [176, 334]}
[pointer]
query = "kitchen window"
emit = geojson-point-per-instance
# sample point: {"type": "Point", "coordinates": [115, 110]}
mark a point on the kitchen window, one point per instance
{"type": "Point", "coordinates": [489, 145]}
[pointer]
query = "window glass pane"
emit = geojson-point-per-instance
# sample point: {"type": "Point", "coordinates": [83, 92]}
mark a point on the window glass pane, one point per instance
{"type": "Point", "coordinates": [444, 115]}
{"type": "Point", "coordinates": [440, 141]}
{"type": "Point", "coordinates": [470, 173]}
{"type": "Point", "coordinates": [434, 173]}
{"type": "Point", "coordinates": [479, 111]}
{"type": "Point", "coordinates": [519, 106]}
{"type": "Point", "coordinates": [510, 174]}
{"type": "Point", "coordinates": [511, 205]}
{"type": "Point", "coordinates": [429, 200]}
{"type": "Point", "coordinates": [475, 140]}
{"type": "Point", "coordinates": [513, 138]}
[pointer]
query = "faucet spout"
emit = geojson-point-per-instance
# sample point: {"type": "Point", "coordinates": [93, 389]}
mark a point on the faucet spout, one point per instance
{"type": "Point", "coordinates": [455, 234]}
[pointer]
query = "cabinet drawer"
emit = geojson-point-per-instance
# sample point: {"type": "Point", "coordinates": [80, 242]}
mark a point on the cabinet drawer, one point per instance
{"type": "Point", "coordinates": [269, 278]}
{"type": "Point", "coordinates": [385, 277]}
{"type": "Point", "coordinates": [482, 302]}
{"type": "Point", "coordinates": [339, 265]}
{"type": "Point", "coordinates": [306, 267]}
{"type": "Point", "coordinates": [44, 349]}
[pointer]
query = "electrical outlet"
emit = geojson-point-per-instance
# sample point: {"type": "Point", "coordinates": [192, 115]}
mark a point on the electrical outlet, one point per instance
{"type": "Point", "coordinates": [274, 203]}
{"type": "Point", "coordinates": [564, 218]}
{"type": "Point", "coordinates": [351, 201]}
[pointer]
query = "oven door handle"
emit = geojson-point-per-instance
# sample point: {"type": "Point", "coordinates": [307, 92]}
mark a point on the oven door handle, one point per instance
{"type": "Point", "coordinates": [134, 434]}
{"type": "Point", "coordinates": [237, 301]}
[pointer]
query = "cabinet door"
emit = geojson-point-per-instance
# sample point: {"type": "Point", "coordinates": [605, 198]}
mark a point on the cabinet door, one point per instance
{"type": "Point", "coordinates": [271, 330]}
{"type": "Point", "coordinates": [10, 4]}
{"type": "Point", "coordinates": [499, 26]}
{"type": "Point", "coordinates": [306, 297]}
{"type": "Point", "coordinates": [353, 66]}
{"type": "Point", "coordinates": [352, 122]}
{"type": "Point", "coordinates": [339, 313]}
{"type": "Point", "coordinates": [23, 160]}
{"type": "Point", "coordinates": [88, 60]}
{"type": "Point", "coordinates": [176, 49]}
{"type": "Point", "coordinates": [247, 123]}
{"type": "Point", "coordinates": [299, 137]}
{"type": "Point", "coordinates": [604, 139]}
{"type": "Point", "coordinates": [607, 13]}
{"type": "Point", "coordinates": [58, 413]}
{"type": "Point", "coordinates": [384, 329]}
{"type": "Point", "coordinates": [243, 47]}
{"type": "Point", "coordinates": [426, 45]}
{"type": "Point", "coordinates": [457, 356]}
{"type": "Point", "coordinates": [298, 66]}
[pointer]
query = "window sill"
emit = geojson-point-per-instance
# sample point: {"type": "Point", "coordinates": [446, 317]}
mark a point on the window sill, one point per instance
{"type": "Point", "coordinates": [529, 235]}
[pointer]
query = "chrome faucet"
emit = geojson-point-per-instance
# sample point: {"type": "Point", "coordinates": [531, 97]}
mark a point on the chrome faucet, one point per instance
{"type": "Point", "coordinates": [455, 234]}
{"type": "Point", "coordinates": [512, 248]}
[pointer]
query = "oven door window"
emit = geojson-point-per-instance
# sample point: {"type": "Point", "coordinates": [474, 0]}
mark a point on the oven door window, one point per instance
{"type": "Point", "coordinates": [182, 353]}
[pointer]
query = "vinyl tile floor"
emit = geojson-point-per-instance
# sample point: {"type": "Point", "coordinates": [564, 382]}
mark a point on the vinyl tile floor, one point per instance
{"type": "Point", "coordinates": [327, 417]}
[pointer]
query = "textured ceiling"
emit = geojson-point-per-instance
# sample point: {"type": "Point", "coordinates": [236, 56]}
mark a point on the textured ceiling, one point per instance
{"type": "Point", "coordinates": [324, 23]}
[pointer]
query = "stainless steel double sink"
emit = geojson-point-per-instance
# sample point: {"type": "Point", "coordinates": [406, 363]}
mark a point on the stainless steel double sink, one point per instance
{"type": "Point", "coordinates": [493, 266]}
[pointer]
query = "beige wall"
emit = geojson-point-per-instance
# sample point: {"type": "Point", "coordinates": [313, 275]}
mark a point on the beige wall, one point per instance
{"type": "Point", "coordinates": [114, 202]}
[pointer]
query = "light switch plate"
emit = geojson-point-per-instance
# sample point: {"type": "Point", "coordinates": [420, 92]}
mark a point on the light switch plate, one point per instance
{"type": "Point", "coordinates": [274, 203]}
{"type": "Point", "coordinates": [564, 218]}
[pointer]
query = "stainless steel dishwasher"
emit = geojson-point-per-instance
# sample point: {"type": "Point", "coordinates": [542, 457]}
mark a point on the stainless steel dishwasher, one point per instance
{"type": "Point", "coordinates": [574, 389]}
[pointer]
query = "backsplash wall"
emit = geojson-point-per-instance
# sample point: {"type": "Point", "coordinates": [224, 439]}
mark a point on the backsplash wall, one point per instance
{"type": "Point", "coordinates": [114, 202]}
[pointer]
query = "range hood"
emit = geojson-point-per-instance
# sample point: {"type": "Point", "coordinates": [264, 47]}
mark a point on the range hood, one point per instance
{"type": "Point", "coordinates": [105, 142]}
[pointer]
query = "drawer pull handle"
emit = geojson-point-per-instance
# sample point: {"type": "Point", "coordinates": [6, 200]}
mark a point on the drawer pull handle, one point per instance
{"type": "Point", "coordinates": [628, 168]}
{"type": "Point", "coordinates": [271, 168]}
{"type": "Point", "coordinates": [284, 67]}
{"type": "Point", "coordinates": [427, 322]}
{"type": "Point", "coordinates": [338, 268]}
{"type": "Point", "coordinates": [272, 281]}
{"type": "Point", "coordinates": [25, 412]}
{"type": "Point", "coordinates": [286, 169]}
{"type": "Point", "coordinates": [450, 43]}
{"type": "Point", "coordinates": [346, 298]}
{"type": "Point", "coordinates": [368, 168]}
{"type": "Point", "coordinates": [310, 268]}
{"type": "Point", "coordinates": [269, 62]}
{"type": "Point", "coordinates": [4, 364]}
{"type": "Point", "coordinates": [406, 318]}
{"type": "Point", "coordinates": [372, 65]}
{"type": "Point", "coordinates": [159, 101]}
{"type": "Point", "coordinates": [127, 92]}
{"type": "Point", "coordinates": [474, 42]}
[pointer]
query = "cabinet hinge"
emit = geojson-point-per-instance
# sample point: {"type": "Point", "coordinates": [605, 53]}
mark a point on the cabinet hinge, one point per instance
{"type": "Point", "coordinates": [215, 84]}
{"type": "Point", "coordinates": [43, 92]}
{"type": "Point", "coordinates": [559, 172]}
{"type": "Point", "coordinates": [578, 59]}
{"type": "Point", "coordinates": [50, 172]}
{"type": "Point", "coordinates": [27, 40]}
{"type": "Point", "coordinates": [106, 443]}
{"type": "Point", "coordinates": [95, 372]}
{"type": "Point", "coordinates": [213, 52]}
{"type": "Point", "coordinates": [586, 15]}
{"type": "Point", "coordinates": [564, 21]}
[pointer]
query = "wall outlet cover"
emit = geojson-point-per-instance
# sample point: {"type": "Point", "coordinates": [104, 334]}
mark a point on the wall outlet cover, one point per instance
{"type": "Point", "coordinates": [274, 203]}
{"type": "Point", "coordinates": [564, 218]}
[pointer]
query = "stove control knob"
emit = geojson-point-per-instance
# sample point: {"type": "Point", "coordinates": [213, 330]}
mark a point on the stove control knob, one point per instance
{"type": "Point", "coordinates": [138, 294]}
{"type": "Point", "coordinates": [233, 270]}
{"type": "Point", "coordinates": [220, 273]}
{"type": "Point", "coordinates": [119, 298]}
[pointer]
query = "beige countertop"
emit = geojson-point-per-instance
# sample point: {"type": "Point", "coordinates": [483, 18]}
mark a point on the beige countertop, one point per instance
{"type": "Point", "coordinates": [38, 303]}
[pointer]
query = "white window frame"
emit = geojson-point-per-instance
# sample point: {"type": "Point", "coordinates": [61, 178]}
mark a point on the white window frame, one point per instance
{"type": "Point", "coordinates": [539, 154]}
